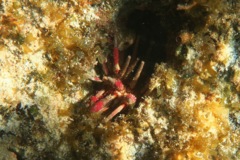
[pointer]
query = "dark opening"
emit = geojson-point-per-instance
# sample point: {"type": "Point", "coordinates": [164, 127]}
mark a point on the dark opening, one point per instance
{"type": "Point", "coordinates": [157, 24]}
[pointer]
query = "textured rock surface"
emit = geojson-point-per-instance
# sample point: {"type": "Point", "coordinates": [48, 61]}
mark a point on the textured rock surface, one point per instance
{"type": "Point", "coordinates": [50, 49]}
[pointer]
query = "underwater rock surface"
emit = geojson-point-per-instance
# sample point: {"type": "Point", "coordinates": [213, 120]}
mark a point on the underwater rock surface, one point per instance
{"type": "Point", "coordinates": [188, 95]}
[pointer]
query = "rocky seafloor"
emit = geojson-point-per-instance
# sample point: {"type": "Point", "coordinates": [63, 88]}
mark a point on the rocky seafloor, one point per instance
{"type": "Point", "coordinates": [188, 95]}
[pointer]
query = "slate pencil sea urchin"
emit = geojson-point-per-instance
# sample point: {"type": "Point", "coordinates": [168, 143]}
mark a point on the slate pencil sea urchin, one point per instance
{"type": "Point", "coordinates": [115, 95]}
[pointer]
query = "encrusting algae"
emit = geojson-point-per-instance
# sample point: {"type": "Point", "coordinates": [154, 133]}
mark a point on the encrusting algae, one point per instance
{"type": "Point", "coordinates": [187, 97]}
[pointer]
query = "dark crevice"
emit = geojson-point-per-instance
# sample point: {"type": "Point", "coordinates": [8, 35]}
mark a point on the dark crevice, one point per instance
{"type": "Point", "coordinates": [158, 24]}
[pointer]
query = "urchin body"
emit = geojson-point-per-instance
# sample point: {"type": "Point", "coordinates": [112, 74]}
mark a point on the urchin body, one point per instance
{"type": "Point", "coordinates": [116, 95]}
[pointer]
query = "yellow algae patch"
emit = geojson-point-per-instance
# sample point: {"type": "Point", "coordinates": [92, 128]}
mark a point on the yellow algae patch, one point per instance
{"type": "Point", "coordinates": [210, 127]}
{"type": "Point", "coordinates": [236, 79]}
{"type": "Point", "coordinates": [30, 38]}
{"type": "Point", "coordinates": [171, 79]}
{"type": "Point", "coordinates": [198, 85]}
{"type": "Point", "coordinates": [66, 34]}
{"type": "Point", "coordinates": [26, 48]}
{"type": "Point", "coordinates": [55, 13]}
{"type": "Point", "coordinates": [205, 69]}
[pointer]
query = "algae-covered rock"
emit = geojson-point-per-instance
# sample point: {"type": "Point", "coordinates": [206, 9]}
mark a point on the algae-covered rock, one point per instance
{"type": "Point", "coordinates": [51, 53]}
